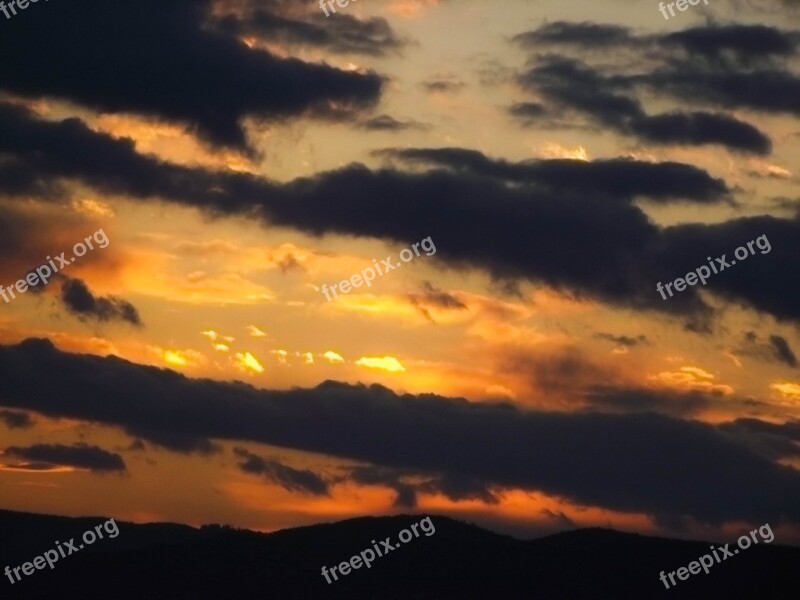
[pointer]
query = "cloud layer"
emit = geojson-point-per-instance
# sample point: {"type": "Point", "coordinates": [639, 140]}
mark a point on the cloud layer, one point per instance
{"type": "Point", "coordinates": [665, 467]}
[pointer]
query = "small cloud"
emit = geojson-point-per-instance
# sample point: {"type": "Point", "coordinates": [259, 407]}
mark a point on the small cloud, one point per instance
{"type": "Point", "coordinates": [291, 479]}
{"type": "Point", "coordinates": [447, 84]}
{"type": "Point", "coordinates": [621, 340]}
{"type": "Point", "coordinates": [308, 358]}
{"type": "Point", "coordinates": [787, 389]}
{"type": "Point", "coordinates": [80, 301]}
{"type": "Point", "coordinates": [783, 351]}
{"type": "Point", "coordinates": [221, 348]}
{"type": "Point", "coordinates": [255, 331]}
{"type": "Point", "coordinates": [290, 263]}
{"type": "Point", "coordinates": [16, 420]}
{"type": "Point", "coordinates": [387, 363]}
{"type": "Point", "coordinates": [179, 358]}
{"type": "Point", "coordinates": [94, 208]}
{"type": "Point", "coordinates": [333, 358]}
{"type": "Point", "coordinates": [700, 373]}
{"type": "Point", "coordinates": [44, 457]}
{"type": "Point", "coordinates": [692, 378]}
{"type": "Point", "coordinates": [248, 363]}
{"type": "Point", "coordinates": [388, 123]}
{"type": "Point", "coordinates": [210, 334]}
{"type": "Point", "coordinates": [281, 354]}
{"type": "Point", "coordinates": [499, 390]}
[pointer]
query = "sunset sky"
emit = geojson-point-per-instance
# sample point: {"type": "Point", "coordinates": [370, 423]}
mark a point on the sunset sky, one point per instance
{"type": "Point", "coordinates": [564, 157]}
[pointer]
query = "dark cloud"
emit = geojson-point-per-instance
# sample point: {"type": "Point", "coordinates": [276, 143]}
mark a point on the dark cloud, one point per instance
{"type": "Point", "coordinates": [16, 420]}
{"type": "Point", "coordinates": [294, 480]}
{"type": "Point", "coordinates": [392, 478]}
{"type": "Point", "coordinates": [617, 253]}
{"type": "Point", "coordinates": [586, 34]}
{"type": "Point", "coordinates": [698, 128]}
{"type": "Point", "coordinates": [343, 34]}
{"type": "Point", "coordinates": [80, 301]}
{"type": "Point", "coordinates": [290, 263]}
{"type": "Point", "coordinates": [458, 488]}
{"type": "Point", "coordinates": [388, 123]}
{"type": "Point", "coordinates": [617, 398]}
{"type": "Point", "coordinates": [622, 340]}
{"type": "Point", "coordinates": [182, 71]}
{"type": "Point", "coordinates": [571, 84]}
{"type": "Point", "coordinates": [733, 66]}
{"type": "Point", "coordinates": [80, 456]}
{"type": "Point", "coordinates": [641, 462]}
{"type": "Point", "coordinates": [408, 484]}
{"type": "Point", "coordinates": [529, 112]}
{"type": "Point", "coordinates": [745, 42]}
{"type": "Point", "coordinates": [432, 297]}
{"type": "Point", "coordinates": [774, 349]}
{"type": "Point", "coordinates": [783, 352]}
{"type": "Point", "coordinates": [448, 84]}
{"type": "Point", "coordinates": [773, 440]}
{"type": "Point", "coordinates": [560, 518]}
{"type": "Point", "coordinates": [572, 376]}
{"type": "Point", "coordinates": [619, 178]}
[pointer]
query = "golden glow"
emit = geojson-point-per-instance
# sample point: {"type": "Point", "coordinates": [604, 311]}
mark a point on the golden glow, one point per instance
{"type": "Point", "coordinates": [691, 378]}
{"type": "Point", "coordinates": [248, 363]}
{"type": "Point", "coordinates": [179, 358]}
{"type": "Point", "coordinates": [333, 358]}
{"type": "Point", "coordinates": [387, 363]}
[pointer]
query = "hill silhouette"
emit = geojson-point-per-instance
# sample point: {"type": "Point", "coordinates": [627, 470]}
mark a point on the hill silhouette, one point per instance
{"type": "Point", "coordinates": [459, 562]}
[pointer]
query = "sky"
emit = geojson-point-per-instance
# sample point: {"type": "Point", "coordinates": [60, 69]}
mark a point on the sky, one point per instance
{"type": "Point", "coordinates": [549, 172]}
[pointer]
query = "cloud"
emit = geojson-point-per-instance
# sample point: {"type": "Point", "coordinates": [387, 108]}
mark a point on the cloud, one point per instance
{"type": "Point", "coordinates": [80, 456]}
{"type": "Point", "coordinates": [248, 363]}
{"type": "Point", "coordinates": [733, 66]}
{"type": "Point", "coordinates": [80, 301]}
{"type": "Point", "coordinates": [408, 484]}
{"type": "Point", "coordinates": [620, 178]}
{"type": "Point", "coordinates": [529, 112]}
{"type": "Point", "coordinates": [641, 462]}
{"type": "Point", "coordinates": [16, 420]}
{"type": "Point", "coordinates": [294, 480]}
{"type": "Point", "coordinates": [333, 358]}
{"type": "Point", "coordinates": [570, 84]}
{"type": "Point", "coordinates": [622, 340]}
{"type": "Point", "coordinates": [387, 363]}
{"type": "Point", "coordinates": [617, 252]}
{"type": "Point", "coordinates": [783, 351]}
{"type": "Point", "coordinates": [388, 123]}
{"type": "Point", "coordinates": [255, 332]}
{"type": "Point", "coordinates": [776, 349]}
{"type": "Point", "coordinates": [773, 440]}
{"type": "Point", "coordinates": [444, 84]}
{"type": "Point", "coordinates": [344, 33]}
{"type": "Point", "coordinates": [586, 34]}
{"type": "Point", "coordinates": [434, 298]}
{"type": "Point", "coordinates": [744, 42]}
{"type": "Point", "coordinates": [208, 84]}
